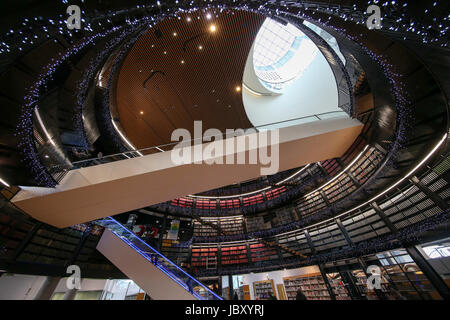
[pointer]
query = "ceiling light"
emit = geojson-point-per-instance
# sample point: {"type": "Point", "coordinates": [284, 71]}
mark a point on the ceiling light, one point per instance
{"type": "Point", "coordinates": [208, 16]}
{"type": "Point", "coordinates": [188, 19]}
{"type": "Point", "coordinates": [174, 34]}
{"type": "Point", "coordinates": [4, 182]}
{"type": "Point", "coordinates": [200, 47]}
{"type": "Point", "coordinates": [142, 112]}
{"type": "Point", "coordinates": [212, 28]}
{"type": "Point", "coordinates": [238, 89]}
{"type": "Point", "coordinates": [182, 61]}
{"type": "Point", "coordinates": [165, 52]}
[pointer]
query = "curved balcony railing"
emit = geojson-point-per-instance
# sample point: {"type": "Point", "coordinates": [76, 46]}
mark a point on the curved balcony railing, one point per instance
{"type": "Point", "coordinates": [62, 169]}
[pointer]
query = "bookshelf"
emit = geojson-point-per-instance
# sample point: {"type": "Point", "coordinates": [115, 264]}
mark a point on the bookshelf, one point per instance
{"type": "Point", "coordinates": [254, 223]}
{"type": "Point", "coordinates": [229, 225]}
{"type": "Point", "coordinates": [175, 253]}
{"type": "Point", "coordinates": [232, 225]}
{"type": "Point", "coordinates": [312, 286]}
{"type": "Point", "coordinates": [252, 200]}
{"type": "Point", "coordinates": [234, 255]}
{"type": "Point", "coordinates": [338, 286]}
{"type": "Point", "coordinates": [260, 252]}
{"type": "Point", "coordinates": [286, 216]}
{"type": "Point", "coordinates": [275, 193]}
{"type": "Point", "coordinates": [311, 203]}
{"type": "Point", "coordinates": [201, 254]}
{"type": "Point", "coordinates": [203, 230]}
{"type": "Point", "coordinates": [262, 289]}
{"type": "Point", "coordinates": [339, 188]}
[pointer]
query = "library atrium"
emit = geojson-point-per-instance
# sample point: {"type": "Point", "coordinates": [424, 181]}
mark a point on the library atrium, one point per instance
{"type": "Point", "coordinates": [136, 163]}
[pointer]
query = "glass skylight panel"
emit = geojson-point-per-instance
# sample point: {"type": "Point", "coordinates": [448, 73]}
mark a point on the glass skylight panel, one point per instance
{"type": "Point", "coordinates": [281, 54]}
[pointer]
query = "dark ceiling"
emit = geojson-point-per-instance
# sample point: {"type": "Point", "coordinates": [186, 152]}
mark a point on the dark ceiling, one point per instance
{"type": "Point", "coordinates": [180, 71]}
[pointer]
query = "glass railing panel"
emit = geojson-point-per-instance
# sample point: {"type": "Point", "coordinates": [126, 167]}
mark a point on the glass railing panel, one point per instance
{"type": "Point", "coordinates": [169, 146]}
{"type": "Point", "coordinates": [177, 274]}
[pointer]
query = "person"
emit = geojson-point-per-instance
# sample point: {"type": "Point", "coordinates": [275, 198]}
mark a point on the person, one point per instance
{"type": "Point", "coordinates": [300, 295]}
{"type": "Point", "coordinates": [235, 296]}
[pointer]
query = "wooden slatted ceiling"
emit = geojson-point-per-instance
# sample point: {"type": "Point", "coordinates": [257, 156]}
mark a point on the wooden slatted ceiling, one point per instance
{"type": "Point", "coordinates": [201, 88]}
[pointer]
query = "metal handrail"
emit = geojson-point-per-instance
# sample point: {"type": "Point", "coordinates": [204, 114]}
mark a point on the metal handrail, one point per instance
{"type": "Point", "coordinates": [168, 267]}
{"type": "Point", "coordinates": [159, 148]}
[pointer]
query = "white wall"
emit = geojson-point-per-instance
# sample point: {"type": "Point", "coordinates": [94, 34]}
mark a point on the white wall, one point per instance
{"type": "Point", "coordinates": [20, 287]}
{"type": "Point", "coordinates": [313, 93]}
{"type": "Point", "coordinates": [86, 285]}
{"type": "Point", "coordinates": [119, 289]}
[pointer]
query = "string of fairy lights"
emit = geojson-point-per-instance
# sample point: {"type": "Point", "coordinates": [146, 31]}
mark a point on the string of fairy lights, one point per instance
{"type": "Point", "coordinates": [90, 72]}
{"type": "Point", "coordinates": [407, 235]}
{"type": "Point", "coordinates": [119, 25]}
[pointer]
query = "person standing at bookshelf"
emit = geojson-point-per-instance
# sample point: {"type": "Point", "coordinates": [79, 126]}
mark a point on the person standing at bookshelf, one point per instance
{"type": "Point", "coordinates": [300, 295]}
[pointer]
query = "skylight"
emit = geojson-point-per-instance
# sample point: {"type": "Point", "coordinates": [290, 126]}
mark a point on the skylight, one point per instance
{"type": "Point", "coordinates": [281, 54]}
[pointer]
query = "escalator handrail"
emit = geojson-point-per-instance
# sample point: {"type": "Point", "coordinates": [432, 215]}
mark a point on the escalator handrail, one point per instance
{"type": "Point", "coordinates": [159, 266]}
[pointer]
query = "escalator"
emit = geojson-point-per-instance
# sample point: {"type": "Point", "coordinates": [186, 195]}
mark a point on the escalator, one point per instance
{"type": "Point", "coordinates": [159, 277]}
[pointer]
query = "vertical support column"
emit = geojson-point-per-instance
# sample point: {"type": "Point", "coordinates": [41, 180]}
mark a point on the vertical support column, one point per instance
{"type": "Point", "coordinates": [363, 265]}
{"type": "Point", "coordinates": [322, 271]}
{"type": "Point", "coordinates": [352, 288]}
{"type": "Point", "coordinates": [324, 172]}
{"type": "Point", "coordinates": [47, 288]}
{"type": "Point", "coordinates": [26, 241]}
{"type": "Point", "coordinates": [219, 258]}
{"type": "Point", "coordinates": [352, 177]}
{"type": "Point", "coordinates": [70, 294]}
{"type": "Point", "coordinates": [190, 256]}
{"type": "Point", "coordinates": [230, 285]}
{"type": "Point", "coordinates": [278, 249]}
{"type": "Point", "coordinates": [249, 256]}
{"type": "Point", "coordinates": [344, 232]}
{"type": "Point", "coordinates": [383, 217]}
{"type": "Point", "coordinates": [80, 246]}
{"type": "Point", "coordinates": [339, 161]}
{"type": "Point", "coordinates": [429, 272]}
{"type": "Point", "coordinates": [324, 197]}
{"type": "Point", "coordinates": [430, 194]}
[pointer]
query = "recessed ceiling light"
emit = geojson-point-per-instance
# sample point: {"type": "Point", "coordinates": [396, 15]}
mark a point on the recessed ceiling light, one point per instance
{"type": "Point", "coordinates": [174, 34]}
{"type": "Point", "coordinates": [200, 47]}
{"type": "Point", "coordinates": [142, 112]}
{"type": "Point", "coordinates": [208, 16]}
{"type": "Point", "coordinates": [212, 28]}
{"type": "Point", "coordinates": [165, 52]}
{"type": "Point", "coordinates": [238, 88]}
{"type": "Point", "coordinates": [182, 61]}
{"type": "Point", "coordinates": [188, 19]}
